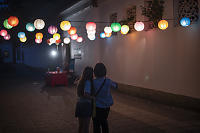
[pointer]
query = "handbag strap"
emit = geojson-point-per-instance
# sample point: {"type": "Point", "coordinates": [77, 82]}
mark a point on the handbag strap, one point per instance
{"type": "Point", "coordinates": [100, 88]}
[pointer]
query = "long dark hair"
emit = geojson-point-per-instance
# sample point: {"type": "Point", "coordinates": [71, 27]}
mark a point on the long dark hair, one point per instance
{"type": "Point", "coordinates": [86, 75]}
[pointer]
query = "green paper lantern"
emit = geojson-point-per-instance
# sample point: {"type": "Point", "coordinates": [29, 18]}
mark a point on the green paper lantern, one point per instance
{"type": "Point", "coordinates": [115, 27]}
{"type": "Point", "coordinates": [6, 25]}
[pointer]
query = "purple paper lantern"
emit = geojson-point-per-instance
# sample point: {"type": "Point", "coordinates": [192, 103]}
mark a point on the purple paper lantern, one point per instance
{"type": "Point", "coordinates": [52, 29]}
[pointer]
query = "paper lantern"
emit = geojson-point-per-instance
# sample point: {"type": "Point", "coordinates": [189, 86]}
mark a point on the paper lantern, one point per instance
{"type": "Point", "coordinates": [163, 24]}
{"type": "Point", "coordinates": [115, 27]}
{"type": "Point", "coordinates": [65, 25]}
{"type": "Point", "coordinates": [124, 29]}
{"type": "Point", "coordinates": [3, 32]}
{"type": "Point", "coordinates": [102, 35]}
{"type": "Point", "coordinates": [7, 37]}
{"type": "Point", "coordinates": [38, 40]}
{"type": "Point", "coordinates": [185, 21]}
{"type": "Point", "coordinates": [52, 29]}
{"type": "Point", "coordinates": [74, 36]}
{"type": "Point", "coordinates": [79, 39]}
{"type": "Point", "coordinates": [6, 25]}
{"type": "Point", "coordinates": [72, 31]}
{"type": "Point", "coordinates": [21, 35]}
{"type": "Point", "coordinates": [139, 26]}
{"type": "Point", "coordinates": [108, 34]}
{"type": "Point", "coordinates": [38, 35]}
{"type": "Point", "coordinates": [107, 30]}
{"type": "Point", "coordinates": [58, 41]}
{"type": "Point", "coordinates": [39, 24]}
{"type": "Point", "coordinates": [52, 40]}
{"type": "Point", "coordinates": [13, 21]}
{"type": "Point", "coordinates": [91, 26]}
{"type": "Point", "coordinates": [91, 32]}
{"type": "Point", "coordinates": [30, 27]}
{"type": "Point", "coordinates": [56, 36]}
{"type": "Point", "coordinates": [66, 40]}
{"type": "Point", "coordinates": [91, 37]}
{"type": "Point", "coordinates": [23, 39]}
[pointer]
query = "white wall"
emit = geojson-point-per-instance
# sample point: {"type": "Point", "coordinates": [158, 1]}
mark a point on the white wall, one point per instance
{"type": "Point", "coordinates": [168, 60]}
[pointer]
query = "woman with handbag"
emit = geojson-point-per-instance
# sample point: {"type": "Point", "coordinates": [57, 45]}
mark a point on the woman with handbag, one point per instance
{"type": "Point", "coordinates": [84, 107]}
{"type": "Point", "coordinates": [103, 98]}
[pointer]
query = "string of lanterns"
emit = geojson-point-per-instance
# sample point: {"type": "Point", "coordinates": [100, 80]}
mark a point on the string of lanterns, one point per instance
{"type": "Point", "coordinates": [39, 24]}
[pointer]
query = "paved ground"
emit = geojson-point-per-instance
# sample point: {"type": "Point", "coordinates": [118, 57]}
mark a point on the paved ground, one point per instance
{"type": "Point", "coordinates": [27, 106]}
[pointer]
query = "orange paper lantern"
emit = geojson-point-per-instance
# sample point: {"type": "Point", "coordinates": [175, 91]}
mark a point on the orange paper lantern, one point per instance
{"type": "Point", "coordinates": [72, 31]}
{"type": "Point", "coordinates": [13, 21]}
{"type": "Point", "coordinates": [39, 35]}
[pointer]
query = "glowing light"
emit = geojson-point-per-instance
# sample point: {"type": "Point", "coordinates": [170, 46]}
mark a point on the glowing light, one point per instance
{"type": "Point", "coordinates": [108, 34]}
{"type": "Point", "coordinates": [74, 36]}
{"type": "Point", "coordinates": [163, 24]}
{"type": "Point", "coordinates": [38, 40]}
{"type": "Point", "coordinates": [79, 39]}
{"type": "Point", "coordinates": [52, 40]}
{"type": "Point", "coordinates": [3, 32]}
{"type": "Point", "coordinates": [66, 40]}
{"type": "Point", "coordinates": [39, 24]}
{"type": "Point", "coordinates": [13, 21]}
{"type": "Point", "coordinates": [38, 35]}
{"type": "Point", "coordinates": [102, 35]}
{"type": "Point", "coordinates": [139, 26]}
{"type": "Point", "coordinates": [53, 53]}
{"type": "Point", "coordinates": [23, 39]}
{"type": "Point", "coordinates": [7, 37]}
{"type": "Point", "coordinates": [124, 29]}
{"type": "Point", "coordinates": [91, 37]}
{"type": "Point", "coordinates": [107, 30]}
{"type": "Point", "coordinates": [91, 26]}
{"type": "Point", "coordinates": [6, 25]}
{"type": "Point", "coordinates": [185, 22]}
{"type": "Point", "coordinates": [115, 27]}
{"type": "Point", "coordinates": [72, 31]}
{"type": "Point", "coordinates": [30, 27]}
{"type": "Point", "coordinates": [56, 36]}
{"type": "Point", "coordinates": [21, 35]}
{"type": "Point", "coordinates": [65, 25]}
{"type": "Point", "coordinates": [52, 29]}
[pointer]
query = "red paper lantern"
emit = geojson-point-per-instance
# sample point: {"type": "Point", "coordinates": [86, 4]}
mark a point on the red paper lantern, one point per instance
{"type": "Point", "coordinates": [72, 31]}
{"type": "Point", "coordinates": [91, 26]}
{"type": "Point", "coordinates": [13, 21]}
{"type": "Point", "coordinates": [3, 32]}
{"type": "Point", "coordinates": [58, 41]}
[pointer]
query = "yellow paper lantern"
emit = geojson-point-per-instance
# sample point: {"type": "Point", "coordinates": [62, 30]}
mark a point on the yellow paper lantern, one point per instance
{"type": "Point", "coordinates": [56, 36]}
{"type": "Point", "coordinates": [38, 35]}
{"type": "Point", "coordinates": [65, 25]}
{"type": "Point", "coordinates": [23, 39]}
{"type": "Point", "coordinates": [124, 29]}
{"type": "Point", "coordinates": [163, 24]}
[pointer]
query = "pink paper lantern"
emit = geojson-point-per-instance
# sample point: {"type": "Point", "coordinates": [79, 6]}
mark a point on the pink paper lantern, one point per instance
{"type": "Point", "coordinates": [52, 29]}
{"type": "Point", "coordinates": [3, 32]}
{"type": "Point", "coordinates": [79, 39]}
{"type": "Point", "coordinates": [74, 36]}
{"type": "Point", "coordinates": [7, 37]}
{"type": "Point", "coordinates": [38, 40]}
{"type": "Point", "coordinates": [91, 26]}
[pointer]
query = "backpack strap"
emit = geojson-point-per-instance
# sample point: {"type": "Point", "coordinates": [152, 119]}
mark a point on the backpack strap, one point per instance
{"type": "Point", "coordinates": [100, 88]}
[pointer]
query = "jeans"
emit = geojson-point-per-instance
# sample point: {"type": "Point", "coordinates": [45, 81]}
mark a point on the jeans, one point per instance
{"type": "Point", "coordinates": [100, 121]}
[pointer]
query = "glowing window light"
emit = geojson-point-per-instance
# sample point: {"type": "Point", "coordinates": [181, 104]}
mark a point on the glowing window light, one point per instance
{"type": "Point", "coordinates": [102, 35]}
{"type": "Point", "coordinates": [163, 24]}
{"type": "Point", "coordinates": [38, 35]}
{"type": "Point", "coordinates": [56, 36]}
{"type": "Point", "coordinates": [107, 30]}
{"type": "Point", "coordinates": [66, 40]}
{"type": "Point", "coordinates": [7, 37]}
{"type": "Point", "coordinates": [13, 21]}
{"type": "Point", "coordinates": [185, 21]}
{"type": "Point", "coordinates": [6, 25]}
{"type": "Point", "coordinates": [124, 29]}
{"type": "Point", "coordinates": [65, 25]}
{"type": "Point", "coordinates": [52, 29]}
{"type": "Point", "coordinates": [115, 27]}
{"type": "Point", "coordinates": [139, 26]}
{"type": "Point", "coordinates": [91, 26]}
{"type": "Point", "coordinates": [23, 39]}
{"type": "Point", "coordinates": [79, 39]}
{"type": "Point", "coordinates": [74, 36]}
{"type": "Point", "coordinates": [21, 35]}
{"type": "Point", "coordinates": [39, 24]}
{"type": "Point", "coordinates": [30, 27]}
{"type": "Point", "coordinates": [3, 32]}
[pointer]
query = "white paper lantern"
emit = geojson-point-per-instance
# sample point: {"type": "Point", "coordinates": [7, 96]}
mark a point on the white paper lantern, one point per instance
{"type": "Point", "coordinates": [107, 30]}
{"type": "Point", "coordinates": [39, 24]}
{"type": "Point", "coordinates": [66, 40]}
{"type": "Point", "coordinates": [139, 26]}
{"type": "Point", "coordinates": [52, 40]}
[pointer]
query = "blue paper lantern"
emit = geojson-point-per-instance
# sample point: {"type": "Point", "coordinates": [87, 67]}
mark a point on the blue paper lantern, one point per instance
{"type": "Point", "coordinates": [185, 21]}
{"type": "Point", "coordinates": [21, 35]}
{"type": "Point", "coordinates": [102, 35]}
{"type": "Point", "coordinates": [30, 27]}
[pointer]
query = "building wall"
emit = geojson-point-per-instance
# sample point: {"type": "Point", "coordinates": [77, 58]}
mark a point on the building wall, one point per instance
{"type": "Point", "coordinates": [167, 60]}
{"type": "Point", "coordinates": [6, 46]}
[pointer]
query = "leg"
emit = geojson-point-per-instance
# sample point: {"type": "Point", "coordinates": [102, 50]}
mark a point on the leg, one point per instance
{"type": "Point", "coordinates": [86, 124]}
{"type": "Point", "coordinates": [103, 119]}
{"type": "Point", "coordinates": [96, 125]}
{"type": "Point", "coordinates": [81, 124]}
